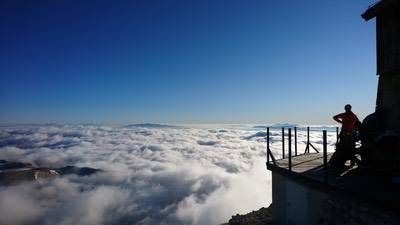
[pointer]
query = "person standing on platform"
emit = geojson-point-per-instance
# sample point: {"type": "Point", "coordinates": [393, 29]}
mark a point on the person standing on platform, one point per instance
{"type": "Point", "coordinates": [348, 120]}
{"type": "Point", "coordinates": [345, 149]}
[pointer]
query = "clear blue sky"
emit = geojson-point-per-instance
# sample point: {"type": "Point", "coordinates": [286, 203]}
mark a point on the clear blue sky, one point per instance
{"type": "Point", "coordinates": [205, 61]}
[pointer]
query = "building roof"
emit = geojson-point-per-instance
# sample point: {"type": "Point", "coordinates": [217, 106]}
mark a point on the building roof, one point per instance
{"type": "Point", "coordinates": [379, 8]}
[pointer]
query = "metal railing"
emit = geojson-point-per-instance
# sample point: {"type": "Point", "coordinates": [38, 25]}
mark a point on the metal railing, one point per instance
{"type": "Point", "coordinates": [271, 159]}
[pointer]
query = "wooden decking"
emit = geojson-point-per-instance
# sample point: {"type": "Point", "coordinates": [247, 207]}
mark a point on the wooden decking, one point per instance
{"type": "Point", "coordinates": [303, 163]}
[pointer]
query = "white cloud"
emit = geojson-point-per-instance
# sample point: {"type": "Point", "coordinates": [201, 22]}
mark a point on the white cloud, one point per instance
{"type": "Point", "coordinates": [157, 175]}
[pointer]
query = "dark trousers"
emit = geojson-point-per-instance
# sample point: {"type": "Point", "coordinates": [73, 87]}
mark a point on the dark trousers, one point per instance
{"type": "Point", "coordinates": [345, 150]}
{"type": "Point", "coordinates": [347, 141]}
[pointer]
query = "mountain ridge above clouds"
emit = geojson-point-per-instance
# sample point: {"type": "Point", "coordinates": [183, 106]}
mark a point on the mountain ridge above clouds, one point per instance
{"type": "Point", "coordinates": [276, 125]}
{"type": "Point", "coordinates": [150, 125]}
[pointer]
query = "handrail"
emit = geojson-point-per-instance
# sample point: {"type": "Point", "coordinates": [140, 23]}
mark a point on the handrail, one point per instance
{"type": "Point", "coordinates": [271, 158]}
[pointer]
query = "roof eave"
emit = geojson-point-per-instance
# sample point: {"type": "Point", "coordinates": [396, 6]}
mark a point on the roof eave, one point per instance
{"type": "Point", "coordinates": [378, 8]}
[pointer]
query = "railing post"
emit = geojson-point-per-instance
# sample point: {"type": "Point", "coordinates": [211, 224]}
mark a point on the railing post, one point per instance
{"type": "Point", "coordinates": [295, 141]}
{"type": "Point", "coordinates": [283, 142]}
{"type": "Point", "coordinates": [307, 150]}
{"type": "Point", "coordinates": [270, 156]}
{"type": "Point", "coordinates": [290, 148]}
{"type": "Point", "coordinates": [337, 134]}
{"type": "Point", "coordinates": [268, 145]}
{"type": "Point", "coordinates": [308, 139]}
{"type": "Point", "coordinates": [325, 148]}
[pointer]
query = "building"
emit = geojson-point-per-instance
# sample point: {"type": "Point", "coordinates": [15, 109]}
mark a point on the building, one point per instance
{"type": "Point", "coordinates": [387, 14]}
{"type": "Point", "coordinates": [305, 191]}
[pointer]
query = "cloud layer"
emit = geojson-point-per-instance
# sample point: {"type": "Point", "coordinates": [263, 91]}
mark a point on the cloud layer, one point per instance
{"type": "Point", "coordinates": [153, 174]}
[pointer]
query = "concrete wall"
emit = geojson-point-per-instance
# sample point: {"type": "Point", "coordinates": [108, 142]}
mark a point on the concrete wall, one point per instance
{"type": "Point", "coordinates": [294, 203]}
{"type": "Point", "coordinates": [388, 65]}
{"type": "Point", "coordinates": [388, 98]}
{"type": "Point", "coordinates": [388, 42]}
{"type": "Point", "coordinates": [298, 203]}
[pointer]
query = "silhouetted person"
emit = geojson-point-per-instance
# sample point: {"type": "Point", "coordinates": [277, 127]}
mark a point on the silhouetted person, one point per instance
{"type": "Point", "coordinates": [348, 119]}
{"type": "Point", "coordinates": [345, 149]}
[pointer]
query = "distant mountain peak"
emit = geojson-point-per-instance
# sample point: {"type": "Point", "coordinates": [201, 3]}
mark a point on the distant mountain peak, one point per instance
{"type": "Point", "coordinates": [150, 125]}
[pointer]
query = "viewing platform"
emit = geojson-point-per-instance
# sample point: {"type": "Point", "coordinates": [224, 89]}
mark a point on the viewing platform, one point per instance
{"type": "Point", "coordinates": [307, 191]}
{"type": "Point", "coordinates": [353, 183]}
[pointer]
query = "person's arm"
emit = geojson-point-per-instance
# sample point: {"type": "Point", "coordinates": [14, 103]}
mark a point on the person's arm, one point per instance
{"type": "Point", "coordinates": [338, 118]}
{"type": "Point", "coordinates": [357, 123]}
{"type": "Point", "coordinates": [356, 118]}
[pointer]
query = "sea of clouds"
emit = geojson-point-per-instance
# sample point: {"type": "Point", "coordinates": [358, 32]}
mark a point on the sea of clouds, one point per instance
{"type": "Point", "coordinates": [153, 174]}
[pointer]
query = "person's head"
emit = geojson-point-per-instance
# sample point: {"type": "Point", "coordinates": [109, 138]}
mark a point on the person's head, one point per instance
{"type": "Point", "coordinates": [347, 108]}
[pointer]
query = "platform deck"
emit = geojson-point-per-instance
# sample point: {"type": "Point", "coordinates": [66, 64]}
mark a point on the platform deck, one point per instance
{"type": "Point", "coordinates": [356, 182]}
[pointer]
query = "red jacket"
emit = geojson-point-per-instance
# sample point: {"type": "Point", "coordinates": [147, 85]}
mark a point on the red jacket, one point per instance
{"type": "Point", "coordinates": [348, 120]}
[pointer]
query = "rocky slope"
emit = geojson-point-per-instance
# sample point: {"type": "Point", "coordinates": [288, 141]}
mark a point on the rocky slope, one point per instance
{"type": "Point", "coordinates": [262, 216]}
{"type": "Point", "coordinates": [15, 172]}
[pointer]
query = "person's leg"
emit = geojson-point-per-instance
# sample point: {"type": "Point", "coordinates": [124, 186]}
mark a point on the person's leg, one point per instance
{"type": "Point", "coordinates": [352, 154]}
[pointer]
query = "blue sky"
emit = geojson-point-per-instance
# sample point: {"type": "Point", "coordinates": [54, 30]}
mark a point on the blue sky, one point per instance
{"type": "Point", "coordinates": [185, 61]}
